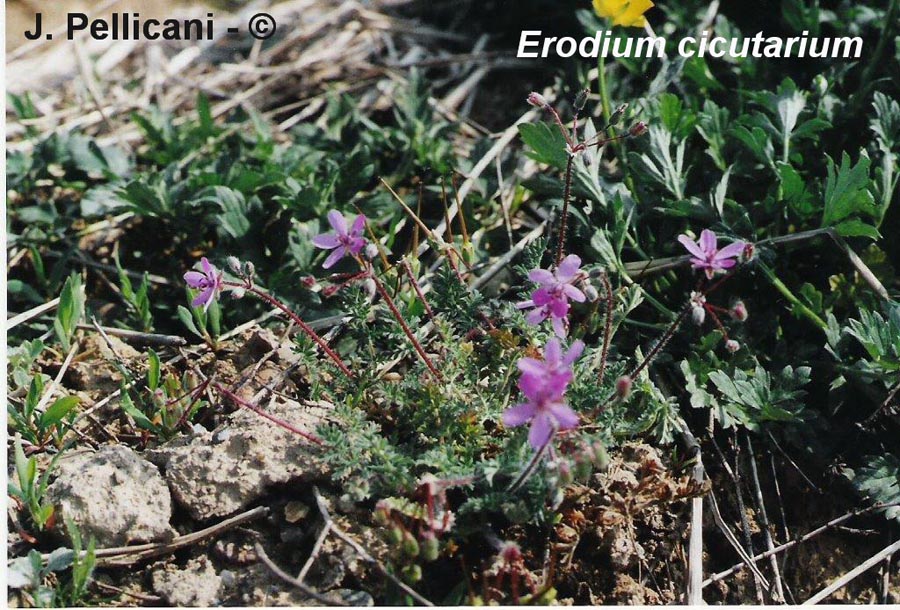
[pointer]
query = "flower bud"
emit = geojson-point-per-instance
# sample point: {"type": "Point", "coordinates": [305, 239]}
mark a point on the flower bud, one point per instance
{"type": "Point", "coordinates": [238, 293]}
{"type": "Point", "coordinates": [308, 281]}
{"type": "Point", "coordinates": [583, 468]}
{"type": "Point", "coordinates": [234, 264]}
{"type": "Point", "coordinates": [249, 269]}
{"type": "Point", "coordinates": [732, 346]}
{"type": "Point", "coordinates": [738, 312]}
{"type": "Point", "coordinates": [698, 315]}
{"type": "Point", "coordinates": [371, 251]}
{"type": "Point", "coordinates": [410, 545]}
{"type": "Point", "coordinates": [412, 573]}
{"type": "Point", "coordinates": [638, 129]}
{"type": "Point", "coordinates": [381, 515]}
{"type": "Point", "coordinates": [617, 115]}
{"type": "Point", "coordinates": [510, 552]}
{"type": "Point", "coordinates": [564, 472]}
{"type": "Point", "coordinates": [748, 253]}
{"type": "Point", "coordinates": [329, 291]}
{"type": "Point", "coordinates": [537, 100]}
{"type": "Point", "coordinates": [590, 292]}
{"type": "Point", "coordinates": [395, 535]}
{"type": "Point", "coordinates": [430, 546]}
{"type": "Point", "coordinates": [601, 458]}
{"type": "Point", "coordinates": [623, 387]}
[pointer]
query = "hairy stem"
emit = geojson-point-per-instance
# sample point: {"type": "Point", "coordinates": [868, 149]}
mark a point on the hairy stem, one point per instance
{"type": "Point", "coordinates": [277, 421]}
{"type": "Point", "coordinates": [299, 322]}
{"type": "Point", "coordinates": [567, 191]}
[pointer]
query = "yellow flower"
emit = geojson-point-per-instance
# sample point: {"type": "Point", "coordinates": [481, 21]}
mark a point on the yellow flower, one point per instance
{"type": "Point", "coordinates": [629, 13]}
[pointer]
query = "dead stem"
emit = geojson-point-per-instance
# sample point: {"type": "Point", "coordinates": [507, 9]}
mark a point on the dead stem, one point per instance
{"type": "Point", "coordinates": [306, 589]}
{"type": "Point", "coordinates": [277, 421]}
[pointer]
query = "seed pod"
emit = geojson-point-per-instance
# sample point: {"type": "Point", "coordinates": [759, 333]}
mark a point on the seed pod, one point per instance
{"type": "Point", "coordinates": [581, 99]}
{"type": "Point", "coordinates": [616, 117]}
{"type": "Point", "coordinates": [583, 469]}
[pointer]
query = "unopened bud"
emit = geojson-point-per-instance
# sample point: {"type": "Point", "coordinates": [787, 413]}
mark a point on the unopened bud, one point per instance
{"type": "Point", "coordinates": [698, 315]}
{"type": "Point", "coordinates": [395, 535]}
{"type": "Point", "coordinates": [581, 99]}
{"type": "Point", "coordinates": [430, 546]}
{"type": "Point", "coordinates": [617, 115]}
{"type": "Point", "coordinates": [623, 387]}
{"type": "Point", "coordinates": [308, 281]}
{"type": "Point", "coordinates": [249, 269]}
{"type": "Point", "coordinates": [412, 573]}
{"type": "Point", "coordinates": [234, 264]}
{"type": "Point", "coordinates": [601, 458]}
{"type": "Point", "coordinates": [410, 545]}
{"type": "Point", "coordinates": [238, 293]}
{"type": "Point", "coordinates": [329, 291]}
{"type": "Point", "coordinates": [371, 251]}
{"type": "Point", "coordinates": [732, 346]}
{"type": "Point", "coordinates": [638, 129]}
{"type": "Point", "coordinates": [564, 472]}
{"type": "Point", "coordinates": [748, 252]}
{"type": "Point", "coordinates": [590, 292]}
{"type": "Point", "coordinates": [583, 468]}
{"type": "Point", "coordinates": [510, 552]}
{"type": "Point", "coordinates": [382, 515]}
{"type": "Point", "coordinates": [738, 312]}
{"type": "Point", "coordinates": [537, 100]}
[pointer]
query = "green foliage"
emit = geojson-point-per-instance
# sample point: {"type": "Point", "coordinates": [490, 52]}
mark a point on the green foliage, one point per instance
{"type": "Point", "coordinates": [49, 424]}
{"type": "Point", "coordinates": [70, 311]}
{"type": "Point", "coordinates": [879, 480]}
{"type": "Point", "coordinates": [30, 487]}
{"type": "Point", "coordinates": [138, 302]}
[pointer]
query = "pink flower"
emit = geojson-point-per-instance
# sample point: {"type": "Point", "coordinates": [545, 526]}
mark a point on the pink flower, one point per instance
{"type": "Point", "coordinates": [551, 300]}
{"type": "Point", "coordinates": [543, 383]}
{"type": "Point", "coordinates": [209, 282]}
{"type": "Point", "coordinates": [342, 242]}
{"type": "Point", "coordinates": [707, 256]}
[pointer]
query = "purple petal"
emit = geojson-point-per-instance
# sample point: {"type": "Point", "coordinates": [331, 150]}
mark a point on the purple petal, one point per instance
{"type": "Point", "coordinates": [727, 263]}
{"type": "Point", "coordinates": [533, 386]}
{"type": "Point", "coordinates": [541, 296]}
{"type": "Point", "coordinates": [336, 255]}
{"type": "Point", "coordinates": [536, 316]}
{"type": "Point", "coordinates": [326, 240]}
{"type": "Point", "coordinates": [553, 352]}
{"type": "Point", "coordinates": [194, 279]}
{"type": "Point", "coordinates": [559, 327]}
{"type": "Point", "coordinates": [524, 304]}
{"type": "Point", "coordinates": [691, 246]}
{"type": "Point", "coordinates": [357, 244]}
{"type": "Point", "coordinates": [574, 293]}
{"type": "Point", "coordinates": [730, 251]}
{"type": "Point", "coordinates": [555, 385]}
{"type": "Point", "coordinates": [530, 366]}
{"type": "Point", "coordinates": [337, 222]}
{"type": "Point", "coordinates": [568, 268]}
{"type": "Point", "coordinates": [359, 225]}
{"type": "Point", "coordinates": [565, 417]}
{"type": "Point", "coordinates": [541, 276]}
{"type": "Point", "coordinates": [574, 353]}
{"type": "Point", "coordinates": [204, 298]}
{"type": "Point", "coordinates": [518, 415]}
{"type": "Point", "coordinates": [541, 430]}
{"type": "Point", "coordinates": [707, 241]}
{"type": "Point", "coordinates": [559, 308]}
{"type": "Point", "coordinates": [208, 269]}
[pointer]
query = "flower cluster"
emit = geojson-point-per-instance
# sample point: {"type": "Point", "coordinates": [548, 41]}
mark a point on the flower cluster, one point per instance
{"type": "Point", "coordinates": [551, 300]}
{"type": "Point", "coordinates": [544, 383]}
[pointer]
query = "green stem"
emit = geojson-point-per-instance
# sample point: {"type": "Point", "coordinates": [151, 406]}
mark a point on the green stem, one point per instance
{"type": "Point", "coordinates": [802, 309]}
{"type": "Point", "coordinates": [607, 113]}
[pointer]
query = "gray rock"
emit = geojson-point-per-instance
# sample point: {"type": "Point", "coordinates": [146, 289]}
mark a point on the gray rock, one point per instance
{"type": "Point", "coordinates": [195, 585]}
{"type": "Point", "coordinates": [113, 495]}
{"type": "Point", "coordinates": [218, 473]}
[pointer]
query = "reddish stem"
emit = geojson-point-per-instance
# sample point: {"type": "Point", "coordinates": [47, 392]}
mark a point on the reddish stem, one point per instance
{"type": "Point", "coordinates": [280, 422]}
{"type": "Point", "coordinates": [565, 211]}
{"type": "Point", "coordinates": [418, 346]}
{"type": "Point", "coordinates": [417, 288]}
{"type": "Point", "coordinates": [303, 325]}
